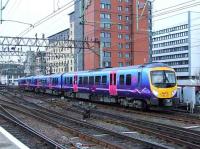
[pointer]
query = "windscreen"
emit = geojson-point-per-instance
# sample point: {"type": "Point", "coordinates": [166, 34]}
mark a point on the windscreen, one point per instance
{"type": "Point", "coordinates": [163, 79]}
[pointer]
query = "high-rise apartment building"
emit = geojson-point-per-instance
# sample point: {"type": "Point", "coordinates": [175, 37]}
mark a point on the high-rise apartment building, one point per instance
{"type": "Point", "coordinates": [122, 27]}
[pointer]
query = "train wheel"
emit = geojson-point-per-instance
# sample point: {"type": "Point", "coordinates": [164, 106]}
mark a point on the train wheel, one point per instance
{"type": "Point", "coordinates": [145, 106]}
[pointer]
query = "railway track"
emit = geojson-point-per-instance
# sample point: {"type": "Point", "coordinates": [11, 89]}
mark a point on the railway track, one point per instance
{"type": "Point", "coordinates": [183, 137]}
{"type": "Point", "coordinates": [24, 133]}
{"type": "Point", "coordinates": [103, 136]}
{"type": "Point", "coordinates": [167, 114]}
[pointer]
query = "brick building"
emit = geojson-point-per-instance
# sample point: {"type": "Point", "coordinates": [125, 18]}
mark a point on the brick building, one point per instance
{"type": "Point", "coordinates": [121, 29]}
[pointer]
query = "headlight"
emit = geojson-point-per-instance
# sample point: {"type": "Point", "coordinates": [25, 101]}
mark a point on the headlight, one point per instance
{"type": "Point", "coordinates": [174, 92]}
{"type": "Point", "coordinates": [155, 93]}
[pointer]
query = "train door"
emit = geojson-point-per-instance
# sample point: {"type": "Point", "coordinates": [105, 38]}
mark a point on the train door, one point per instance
{"type": "Point", "coordinates": [50, 82]}
{"type": "Point", "coordinates": [75, 83]}
{"type": "Point", "coordinates": [113, 84]}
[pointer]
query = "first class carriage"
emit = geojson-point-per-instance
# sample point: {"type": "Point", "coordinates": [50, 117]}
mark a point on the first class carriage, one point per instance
{"type": "Point", "coordinates": [139, 86]}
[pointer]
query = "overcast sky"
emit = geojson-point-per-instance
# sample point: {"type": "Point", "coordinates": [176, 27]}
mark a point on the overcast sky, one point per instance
{"type": "Point", "coordinates": [31, 11]}
{"type": "Point", "coordinates": [172, 12]}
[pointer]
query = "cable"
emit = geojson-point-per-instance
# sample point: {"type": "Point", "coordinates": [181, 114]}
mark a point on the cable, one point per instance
{"type": "Point", "coordinates": [5, 5]}
{"type": "Point", "coordinates": [46, 18]}
{"type": "Point", "coordinates": [41, 21]}
{"type": "Point", "coordinates": [31, 25]}
{"type": "Point", "coordinates": [173, 6]}
{"type": "Point", "coordinates": [178, 9]}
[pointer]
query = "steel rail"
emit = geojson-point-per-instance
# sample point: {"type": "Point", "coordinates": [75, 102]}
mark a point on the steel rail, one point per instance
{"type": "Point", "coordinates": [54, 115]}
{"type": "Point", "coordinates": [18, 122]}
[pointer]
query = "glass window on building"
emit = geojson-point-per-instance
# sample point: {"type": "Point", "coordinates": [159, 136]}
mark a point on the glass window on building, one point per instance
{"type": "Point", "coordinates": [105, 25]}
{"type": "Point", "coordinates": [127, 46]}
{"type": "Point", "coordinates": [127, 9]}
{"type": "Point", "coordinates": [119, 36]}
{"type": "Point", "coordinates": [127, 37]}
{"type": "Point", "coordinates": [106, 54]}
{"type": "Point", "coordinates": [119, 54]}
{"type": "Point", "coordinates": [127, 55]}
{"type": "Point", "coordinates": [102, 5]}
{"type": "Point", "coordinates": [119, 8]}
{"type": "Point", "coordinates": [119, 26]}
{"type": "Point", "coordinates": [107, 64]}
{"type": "Point", "coordinates": [107, 35]}
{"type": "Point", "coordinates": [102, 15]}
{"type": "Point", "coordinates": [126, 27]}
{"type": "Point", "coordinates": [120, 64]}
{"type": "Point", "coordinates": [119, 17]}
{"type": "Point", "coordinates": [120, 45]}
{"type": "Point", "coordinates": [102, 34]}
{"type": "Point", "coordinates": [106, 44]}
{"type": "Point", "coordinates": [107, 16]}
{"type": "Point", "coordinates": [105, 6]}
{"type": "Point", "coordinates": [127, 63]}
{"type": "Point", "coordinates": [127, 18]}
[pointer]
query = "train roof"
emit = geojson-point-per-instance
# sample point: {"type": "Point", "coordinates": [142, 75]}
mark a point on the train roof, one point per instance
{"type": "Point", "coordinates": [56, 75]}
{"type": "Point", "coordinates": [148, 65]}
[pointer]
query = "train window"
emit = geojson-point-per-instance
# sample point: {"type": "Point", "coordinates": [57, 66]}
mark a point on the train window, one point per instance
{"type": "Point", "coordinates": [139, 77]}
{"type": "Point", "coordinates": [70, 80]}
{"type": "Point", "coordinates": [128, 79]}
{"type": "Point", "coordinates": [115, 79]}
{"type": "Point", "coordinates": [52, 80]}
{"type": "Point", "coordinates": [104, 80]}
{"type": "Point", "coordinates": [65, 80]}
{"type": "Point", "coordinates": [75, 79]}
{"type": "Point", "coordinates": [80, 80]}
{"type": "Point", "coordinates": [56, 81]}
{"type": "Point", "coordinates": [85, 80]}
{"type": "Point", "coordinates": [91, 80]}
{"type": "Point", "coordinates": [97, 80]}
{"type": "Point", "coordinates": [121, 80]}
{"type": "Point", "coordinates": [110, 79]}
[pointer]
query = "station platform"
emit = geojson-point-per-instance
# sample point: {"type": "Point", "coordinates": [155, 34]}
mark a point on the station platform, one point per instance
{"type": "Point", "coordinates": [8, 141]}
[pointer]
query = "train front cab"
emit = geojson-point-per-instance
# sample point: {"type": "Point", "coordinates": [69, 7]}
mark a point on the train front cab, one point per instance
{"type": "Point", "coordinates": [163, 86]}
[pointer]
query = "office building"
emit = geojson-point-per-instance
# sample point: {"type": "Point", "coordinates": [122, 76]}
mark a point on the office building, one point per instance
{"type": "Point", "coordinates": [58, 59]}
{"type": "Point", "coordinates": [178, 46]}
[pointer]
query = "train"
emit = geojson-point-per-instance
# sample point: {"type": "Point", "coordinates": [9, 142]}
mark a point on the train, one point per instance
{"type": "Point", "coordinates": [139, 86]}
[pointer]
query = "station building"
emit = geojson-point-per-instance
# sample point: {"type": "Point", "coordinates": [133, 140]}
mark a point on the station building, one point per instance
{"type": "Point", "coordinates": [178, 46]}
{"type": "Point", "coordinates": [122, 27]}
